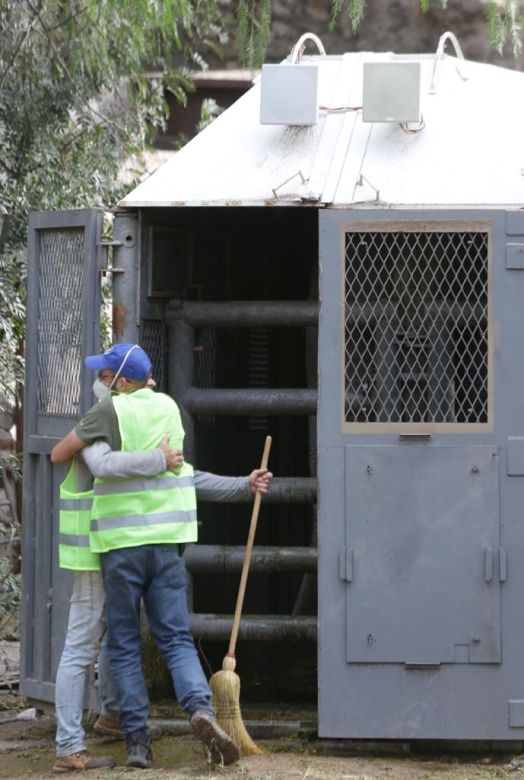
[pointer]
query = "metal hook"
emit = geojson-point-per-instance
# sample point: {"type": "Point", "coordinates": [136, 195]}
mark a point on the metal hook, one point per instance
{"type": "Point", "coordinates": [444, 38]}
{"type": "Point", "coordinates": [299, 46]}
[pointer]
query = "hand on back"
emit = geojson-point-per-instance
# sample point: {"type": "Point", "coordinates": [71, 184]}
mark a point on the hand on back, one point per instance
{"type": "Point", "coordinates": [174, 458]}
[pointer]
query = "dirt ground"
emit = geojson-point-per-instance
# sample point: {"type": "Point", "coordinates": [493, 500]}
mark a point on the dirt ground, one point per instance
{"type": "Point", "coordinates": [27, 751]}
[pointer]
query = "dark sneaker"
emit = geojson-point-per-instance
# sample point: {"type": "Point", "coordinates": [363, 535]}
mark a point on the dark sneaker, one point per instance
{"type": "Point", "coordinates": [82, 760]}
{"type": "Point", "coordinates": [110, 727]}
{"type": "Point", "coordinates": [139, 753]}
{"type": "Point", "coordinates": [219, 746]}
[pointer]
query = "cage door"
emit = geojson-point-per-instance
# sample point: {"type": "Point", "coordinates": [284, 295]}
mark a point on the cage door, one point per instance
{"type": "Point", "coordinates": [63, 314]}
{"type": "Point", "coordinates": [422, 529]}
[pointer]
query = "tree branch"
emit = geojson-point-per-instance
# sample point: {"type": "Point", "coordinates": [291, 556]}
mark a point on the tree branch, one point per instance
{"type": "Point", "coordinates": [21, 42]}
{"type": "Point", "coordinates": [85, 102]}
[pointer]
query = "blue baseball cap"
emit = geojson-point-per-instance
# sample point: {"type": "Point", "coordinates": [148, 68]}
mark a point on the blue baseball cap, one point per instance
{"type": "Point", "coordinates": [127, 360]}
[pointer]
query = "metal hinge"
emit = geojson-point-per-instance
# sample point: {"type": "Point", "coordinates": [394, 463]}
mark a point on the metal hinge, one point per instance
{"type": "Point", "coordinates": [346, 564]}
{"type": "Point", "coordinates": [103, 257]}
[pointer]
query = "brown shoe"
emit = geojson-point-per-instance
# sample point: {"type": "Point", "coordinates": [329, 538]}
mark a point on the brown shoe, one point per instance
{"type": "Point", "coordinates": [82, 760]}
{"type": "Point", "coordinates": [219, 746]}
{"type": "Point", "coordinates": [110, 727]}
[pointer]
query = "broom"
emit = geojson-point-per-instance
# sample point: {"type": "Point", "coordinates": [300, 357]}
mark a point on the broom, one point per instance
{"type": "Point", "coordinates": [225, 684]}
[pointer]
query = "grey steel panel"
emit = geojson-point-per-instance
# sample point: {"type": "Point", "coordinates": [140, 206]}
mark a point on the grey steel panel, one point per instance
{"type": "Point", "coordinates": [515, 223]}
{"type": "Point", "coordinates": [423, 523]}
{"type": "Point", "coordinates": [463, 700]}
{"type": "Point", "coordinates": [515, 256]}
{"type": "Point", "coordinates": [516, 713]}
{"type": "Point", "coordinates": [515, 462]}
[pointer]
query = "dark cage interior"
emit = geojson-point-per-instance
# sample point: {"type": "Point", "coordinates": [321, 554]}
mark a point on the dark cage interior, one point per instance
{"type": "Point", "coordinates": [238, 373]}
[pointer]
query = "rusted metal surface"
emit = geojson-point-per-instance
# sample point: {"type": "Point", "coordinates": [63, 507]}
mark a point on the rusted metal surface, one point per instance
{"type": "Point", "coordinates": [125, 277]}
{"type": "Point", "coordinates": [211, 557]}
{"type": "Point", "coordinates": [120, 319]}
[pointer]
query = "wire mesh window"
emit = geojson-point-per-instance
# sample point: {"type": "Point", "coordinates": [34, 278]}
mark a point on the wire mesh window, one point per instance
{"type": "Point", "coordinates": [416, 327]}
{"type": "Point", "coordinates": [152, 339]}
{"type": "Point", "coordinates": [61, 282]}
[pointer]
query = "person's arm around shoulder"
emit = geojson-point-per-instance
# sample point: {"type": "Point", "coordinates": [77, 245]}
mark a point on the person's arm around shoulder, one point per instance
{"type": "Point", "coordinates": [67, 447]}
{"type": "Point", "coordinates": [105, 463]}
{"type": "Point", "coordinates": [92, 427]}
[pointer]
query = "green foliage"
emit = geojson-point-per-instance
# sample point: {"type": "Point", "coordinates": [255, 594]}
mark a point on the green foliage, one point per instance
{"type": "Point", "coordinates": [12, 313]}
{"type": "Point", "coordinates": [10, 579]}
{"type": "Point", "coordinates": [253, 31]}
{"type": "Point", "coordinates": [208, 112]}
{"type": "Point", "coordinates": [424, 5]}
{"type": "Point", "coordinates": [503, 18]}
{"type": "Point", "coordinates": [81, 90]}
{"type": "Point", "coordinates": [354, 11]}
{"type": "Point", "coordinates": [504, 24]}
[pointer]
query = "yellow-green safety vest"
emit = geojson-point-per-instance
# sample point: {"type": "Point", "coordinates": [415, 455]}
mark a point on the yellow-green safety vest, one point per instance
{"type": "Point", "coordinates": [75, 518]}
{"type": "Point", "coordinates": [131, 512]}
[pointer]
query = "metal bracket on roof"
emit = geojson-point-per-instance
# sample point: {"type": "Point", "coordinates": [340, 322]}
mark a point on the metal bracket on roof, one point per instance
{"type": "Point", "coordinates": [303, 180]}
{"type": "Point", "coordinates": [444, 38]}
{"type": "Point", "coordinates": [360, 183]}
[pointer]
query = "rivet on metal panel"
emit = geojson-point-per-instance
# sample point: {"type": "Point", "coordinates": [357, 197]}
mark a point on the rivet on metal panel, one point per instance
{"type": "Point", "coordinates": [369, 469]}
{"type": "Point", "coordinates": [475, 470]}
{"type": "Point", "coordinates": [371, 639]}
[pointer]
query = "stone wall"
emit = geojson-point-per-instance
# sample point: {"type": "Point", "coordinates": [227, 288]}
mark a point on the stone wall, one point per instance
{"type": "Point", "coordinates": [388, 25]}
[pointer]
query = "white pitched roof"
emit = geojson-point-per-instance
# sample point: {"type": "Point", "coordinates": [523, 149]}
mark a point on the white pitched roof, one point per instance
{"type": "Point", "coordinates": [471, 151]}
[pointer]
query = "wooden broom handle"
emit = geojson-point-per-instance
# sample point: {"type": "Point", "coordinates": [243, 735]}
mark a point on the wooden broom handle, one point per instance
{"type": "Point", "coordinates": [247, 555]}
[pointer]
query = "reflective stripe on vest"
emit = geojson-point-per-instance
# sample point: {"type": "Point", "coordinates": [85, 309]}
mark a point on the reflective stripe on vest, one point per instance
{"type": "Point", "coordinates": [138, 485]}
{"type": "Point", "coordinates": [155, 510]}
{"type": "Point", "coordinates": [75, 517]}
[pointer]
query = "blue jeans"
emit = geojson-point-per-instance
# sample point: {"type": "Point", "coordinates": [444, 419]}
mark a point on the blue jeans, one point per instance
{"type": "Point", "coordinates": [85, 641]}
{"type": "Point", "coordinates": [155, 573]}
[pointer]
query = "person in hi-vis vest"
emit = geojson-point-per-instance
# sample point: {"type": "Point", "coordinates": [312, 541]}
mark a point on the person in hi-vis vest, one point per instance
{"type": "Point", "coordinates": [137, 527]}
{"type": "Point", "coordinates": [85, 637]}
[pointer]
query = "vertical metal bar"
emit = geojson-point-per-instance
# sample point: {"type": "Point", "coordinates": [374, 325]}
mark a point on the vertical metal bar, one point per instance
{"type": "Point", "coordinates": [28, 571]}
{"type": "Point", "coordinates": [181, 377]}
{"type": "Point", "coordinates": [126, 273]}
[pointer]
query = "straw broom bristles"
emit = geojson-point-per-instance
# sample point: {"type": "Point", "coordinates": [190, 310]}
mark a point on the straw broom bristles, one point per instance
{"type": "Point", "coordinates": [225, 684]}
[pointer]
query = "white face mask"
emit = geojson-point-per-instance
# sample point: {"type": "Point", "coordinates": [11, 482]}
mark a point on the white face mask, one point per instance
{"type": "Point", "coordinates": [100, 389]}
